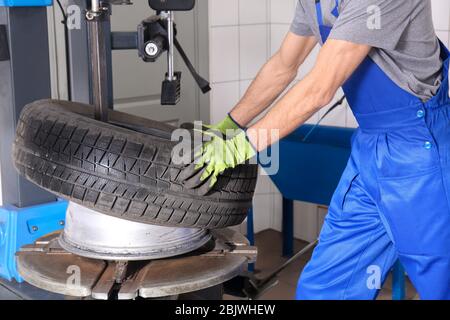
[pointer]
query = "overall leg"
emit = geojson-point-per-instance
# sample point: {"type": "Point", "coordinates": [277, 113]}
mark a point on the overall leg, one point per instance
{"type": "Point", "coordinates": [420, 221]}
{"type": "Point", "coordinates": [355, 253]}
{"type": "Point", "coordinates": [414, 199]}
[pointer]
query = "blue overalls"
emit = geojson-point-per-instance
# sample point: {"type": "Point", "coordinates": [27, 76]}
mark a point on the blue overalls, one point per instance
{"type": "Point", "coordinates": [393, 200]}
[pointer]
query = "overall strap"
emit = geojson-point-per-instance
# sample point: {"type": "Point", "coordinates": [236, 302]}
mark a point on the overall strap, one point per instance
{"type": "Point", "coordinates": [335, 11]}
{"type": "Point", "coordinates": [445, 53]}
{"type": "Point", "coordinates": [319, 12]}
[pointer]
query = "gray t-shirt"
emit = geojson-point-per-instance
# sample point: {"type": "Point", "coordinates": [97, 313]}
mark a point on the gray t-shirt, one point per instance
{"type": "Point", "coordinates": [401, 32]}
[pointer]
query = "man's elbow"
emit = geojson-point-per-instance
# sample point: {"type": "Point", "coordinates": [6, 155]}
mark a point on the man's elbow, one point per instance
{"type": "Point", "coordinates": [327, 96]}
{"type": "Point", "coordinates": [320, 87]}
{"type": "Point", "coordinates": [321, 96]}
{"type": "Point", "coordinates": [285, 66]}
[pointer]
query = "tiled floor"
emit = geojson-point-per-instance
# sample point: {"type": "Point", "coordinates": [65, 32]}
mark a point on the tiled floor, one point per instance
{"type": "Point", "coordinates": [269, 257]}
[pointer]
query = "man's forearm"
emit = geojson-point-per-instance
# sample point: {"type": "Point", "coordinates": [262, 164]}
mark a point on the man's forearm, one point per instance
{"type": "Point", "coordinates": [336, 62]}
{"type": "Point", "coordinates": [270, 82]}
{"type": "Point", "coordinates": [273, 78]}
{"type": "Point", "coordinates": [294, 109]}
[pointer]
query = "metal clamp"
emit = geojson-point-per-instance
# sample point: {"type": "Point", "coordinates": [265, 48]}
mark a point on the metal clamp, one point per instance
{"type": "Point", "coordinates": [96, 11]}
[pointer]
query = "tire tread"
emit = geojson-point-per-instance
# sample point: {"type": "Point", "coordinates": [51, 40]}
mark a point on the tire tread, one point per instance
{"type": "Point", "coordinates": [120, 172]}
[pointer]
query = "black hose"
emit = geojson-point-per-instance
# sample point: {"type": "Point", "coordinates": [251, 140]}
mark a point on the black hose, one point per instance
{"type": "Point", "coordinates": [334, 106]}
{"type": "Point", "coordinates": [62, 10]}
{"type": "Point", "coordinates": [67, 49]}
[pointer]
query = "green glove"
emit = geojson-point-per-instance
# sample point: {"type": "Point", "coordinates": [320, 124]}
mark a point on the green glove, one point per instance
{"type": "Point", "coordinates": [220, 154]}
{"type": "Point", "coordinates": [226, 124]}
{"type": "Point", "coordinates": [217, 155]}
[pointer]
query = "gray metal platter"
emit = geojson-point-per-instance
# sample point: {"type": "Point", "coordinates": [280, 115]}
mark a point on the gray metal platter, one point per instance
{"type": "Point", "coordinates": [95, 235]}
{"type": "Point", "coordinates": [48, 266]}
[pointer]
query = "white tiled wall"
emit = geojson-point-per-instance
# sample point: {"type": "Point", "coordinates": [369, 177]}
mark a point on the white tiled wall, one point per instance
{"type": "Point", "coordinates": [441, 18]}
{"type": "Point", "coordinates": [243, 35]}
{"type": "Point", "coordinates": [239, 46]}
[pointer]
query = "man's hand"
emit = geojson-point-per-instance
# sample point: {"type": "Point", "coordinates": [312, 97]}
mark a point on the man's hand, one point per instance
{"type": "Point", "coordinates": [219, 154]}
{"type": "Point", "coordinates": [223, 126]}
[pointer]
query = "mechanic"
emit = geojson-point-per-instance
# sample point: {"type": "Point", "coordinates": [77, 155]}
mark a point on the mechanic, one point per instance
{"type": "Point", "coordinates": [392, 201]}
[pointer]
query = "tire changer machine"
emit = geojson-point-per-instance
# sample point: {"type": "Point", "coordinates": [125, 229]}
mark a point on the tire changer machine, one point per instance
{"type": "Point", "coordinates": [50, 249]}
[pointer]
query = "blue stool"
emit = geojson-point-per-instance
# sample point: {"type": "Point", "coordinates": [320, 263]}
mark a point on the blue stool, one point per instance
{"type": "Point", "coordinates": [309, 162]}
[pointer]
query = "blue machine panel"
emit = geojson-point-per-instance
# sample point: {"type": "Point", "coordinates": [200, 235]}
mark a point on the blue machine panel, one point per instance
{"type": "Point", "coordinates": [25, 3]}
{"type": "Point", "coordinates": [21, 226]}
{"type": "Point", "coordinates": [310, 171]}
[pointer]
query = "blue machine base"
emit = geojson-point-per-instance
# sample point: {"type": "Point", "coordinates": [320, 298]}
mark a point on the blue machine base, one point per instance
{"type": "Point", "coordinates": [25, 3]}
{"type": "Point", "coordinates": [22, 226]}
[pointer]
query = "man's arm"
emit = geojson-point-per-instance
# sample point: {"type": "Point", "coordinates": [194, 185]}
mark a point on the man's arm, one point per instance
{"type": "Point", "coordinates": [273, 78]}
{"type": "Point", "coordinates": [337, 61]}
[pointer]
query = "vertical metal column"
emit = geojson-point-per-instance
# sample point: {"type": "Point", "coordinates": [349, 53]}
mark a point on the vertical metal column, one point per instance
{"type": "Point", "coordinates": [251, 235]}
{"type": "Point", "coordinates": [79, 66]}
{"type": "Point", "coordinates": [99, 32]}
{"type": "Point", "coordinates": [24, 78]}
{"type": "Point", "coordinates": [288, 227]}
{"type": "Point", "coordinates": [79, 53]}
{"type": "Point", "coordinates": [170, 52]}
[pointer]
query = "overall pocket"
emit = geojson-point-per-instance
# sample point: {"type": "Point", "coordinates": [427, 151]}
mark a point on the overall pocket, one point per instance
{"type": "Point", "coordinates": [338, 200]}
{"type": "Point", "coordinates": [417, 211]}
{"type": "Point", "coordinates": [406, 153]}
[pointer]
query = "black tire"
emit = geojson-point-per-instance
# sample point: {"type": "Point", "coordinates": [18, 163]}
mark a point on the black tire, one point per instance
{"type": "Point", "coordinates": [122, 172]}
